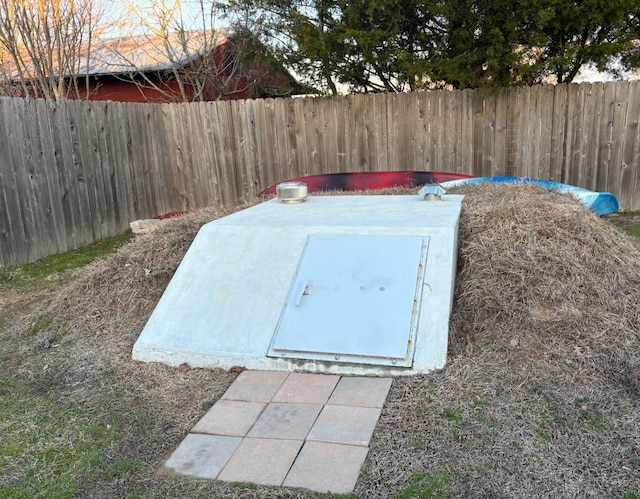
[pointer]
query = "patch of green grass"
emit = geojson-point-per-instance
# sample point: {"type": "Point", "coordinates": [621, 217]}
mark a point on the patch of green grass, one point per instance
{"type": "Point", "coordinates": [451, 414]}
{"type": "Point", "coordinates": [457, 436]}
{"type": "Point", "coordinates": [543, 434]}
{"type": "Point", "coordinates": [597, 421]}
{"type": "Point", "coordinates": [421, 411]}
{"type": "Point", "coordinates": [481, 402]}
{"type": "Point", "coordinates": [244, 485]}
{"type": "Point", "coordinates": [632, 230]}
{"type": "Point", "coordinates": [422, 486]}
{"type": "Point", "coordinates": [64, 262]}
{"type": "Point", "coordinates": [48, 448]}
{"type": "Point", "coordinates": [485, 420]}
{"type": "Point", "coordinates": [631, 495]}
{"type": "Point", "coordinates": [536, 390]}
{"type": "Point", "coordinates": [419, 443]}
{"type": "Point", "coordinates": [40, 325]}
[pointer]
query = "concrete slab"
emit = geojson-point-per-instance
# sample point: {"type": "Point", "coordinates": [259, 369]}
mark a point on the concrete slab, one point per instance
{"type": "Point", "coordinates": [230, 417]}
{"type": "Point", "coordinates": [287, 421]}
{"type": "Point", "coordinates": [306, 388]}
{"type": "Point", "coordinates": [202, 456]}
{"type": "Point", "coordinates": [325, 467]}
{"type": "Point", "coordinates": [263, 461]}
{"type": "Point", "coordinates": [223, 305]}
{"type": "Point", "coordinates": [361, 392]}
{"type": "Point", "coordinates": [345, 425]}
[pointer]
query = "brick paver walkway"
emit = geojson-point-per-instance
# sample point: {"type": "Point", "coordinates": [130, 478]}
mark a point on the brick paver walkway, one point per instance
{"type": "Point", "coordinates": [286, 429]}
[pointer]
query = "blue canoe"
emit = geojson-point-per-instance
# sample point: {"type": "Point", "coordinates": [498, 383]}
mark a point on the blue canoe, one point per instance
{"type": "Point", "coordinates": [602, 203]}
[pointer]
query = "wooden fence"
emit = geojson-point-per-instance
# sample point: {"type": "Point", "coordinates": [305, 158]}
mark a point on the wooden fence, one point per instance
{"type": "Point", "coordinates": [74, 172]}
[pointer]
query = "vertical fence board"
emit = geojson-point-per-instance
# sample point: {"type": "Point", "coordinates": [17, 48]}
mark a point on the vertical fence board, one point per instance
{"type": "Point", "coordinates": [378, 132]}
{"type": "Point", "coordinates": [573, 160]}
{"type": "Point", "coordinates": [216, 161]}
{"type": "Point", "coordinates": [14, 238]}
{"type": "Point", "coordinates": [118, 142]}
{"type": "Point", "coordinates": [392, 119]}
{"type": "Point", "coordinates": [500, 132]}
{"type": "Point", "coordinates": [593, 147]}
{"type": "Point", "coordinates": [26, 177]}
{"type": "Point", "coordinates": [524, 117]}
{"type": "Point", "coordinates": [90, 168]}
{"type": "Point", "coordinates": [291, 145]}
{"type": "Point", "coordinates": [340, 133]}
{"type": "Point", "coordinates": [631, 154]}
{"type": "Point", "coordinates": [605, 137]}
{"type": "Point", "coordinates": [302, 147]}
{"type": "Point", "coordinates": [466, 136]}
{"type": "Point", "coordinates": [35, 173]}
{"type": "Point", "coordinates": [619, 108]}
{"type": "Point", "coordinates": [558, 131]}
{"type": "Point", "coordinates": [264, 132]}
{"type": "Point", "coordinates": [51, 191]}
{"type": "Point", "coordinates": [97, 166]}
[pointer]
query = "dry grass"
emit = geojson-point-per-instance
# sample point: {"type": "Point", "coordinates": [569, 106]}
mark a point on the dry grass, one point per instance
{"type": "Point", "coordinates": [540, 396]}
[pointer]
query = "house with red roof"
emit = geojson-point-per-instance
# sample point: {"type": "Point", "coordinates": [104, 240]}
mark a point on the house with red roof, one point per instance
{"type": "Point", "coordinates": [175, 67]}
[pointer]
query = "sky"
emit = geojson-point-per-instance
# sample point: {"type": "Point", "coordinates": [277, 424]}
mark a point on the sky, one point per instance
{"type": "Point", "coordinates": [121, 18]}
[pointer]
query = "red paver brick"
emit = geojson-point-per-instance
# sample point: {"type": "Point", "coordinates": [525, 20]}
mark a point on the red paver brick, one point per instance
{"type": "Point", "coordinates": [230, 417]}
{"type": "Point", "coordinates": [255, 386]}
{"type": "Point", "coordinates": [264, 461]}
{"type": "Point", "coordinates": [306, 388]}
{"type": "Point", "coordinates": [288, 421]}
{"type": "Point", "coordinates": [325, 467]}
{"type": "Point", "coordinates": [202, 456]}
{"type": "Point", "coordinates": [345, 425]}
{"type": "Point", "coordinates": [361, 392]}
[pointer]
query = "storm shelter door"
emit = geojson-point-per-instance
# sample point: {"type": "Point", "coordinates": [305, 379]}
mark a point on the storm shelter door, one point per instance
{"type": "Point", "coordinates": [354, 298]}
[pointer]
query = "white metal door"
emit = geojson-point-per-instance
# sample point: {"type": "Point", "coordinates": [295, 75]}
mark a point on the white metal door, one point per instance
{"type": "Point", "coordinates": [355, 298]}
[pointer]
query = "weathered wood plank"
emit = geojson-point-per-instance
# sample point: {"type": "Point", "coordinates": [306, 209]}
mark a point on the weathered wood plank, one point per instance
{"type": "Point", "coordinates": [501, 132]}
{"type": "Point", "coordinates": [596, 92]}
{"type": "Point", "coordinates": [619, 114]}
{"type": "Point", "coordinates": [55, 213]}
{"type": "Point", "coordinates": [605, 143]}
{"type": "Point", "coordinates": [559, 129]}
{"type": "Point", "coordinates": [629, 195]}
{"type": "Point", "coordinates": [265, 133]}
{"type": "Point", "coordinates": [33, 177]}
{"type": "Point", "coordinates": [573, 165]}
{"type": "Point", "coordinates": [464, 163]}
{"type": "Point", "coordinates": [13, 225]}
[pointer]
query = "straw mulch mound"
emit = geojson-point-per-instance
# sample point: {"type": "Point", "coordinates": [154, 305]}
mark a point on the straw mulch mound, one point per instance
{"type": "Point", "coordinates": [540, 396]}
{"type": "Point", "coordinates": [541, 393]}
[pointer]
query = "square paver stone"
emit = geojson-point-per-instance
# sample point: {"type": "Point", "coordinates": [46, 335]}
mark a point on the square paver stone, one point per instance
{"type": "Point", "coordinates": [230, 417]}
{"type": "Point", "coordinates": [361, 392]}
{"type": "Point", "coordinates": [264, 461]}
{"type": "Point", "coordinates": [289, 421]}
{"type": "Point", "coordinates": [325, 467]}
{"type": "Point", "coordinates": [255, 386]}
{"type": "Point", "coordinates": [306, 388]}
{"type": "Point", "coordinates": [202, 456]}
{"type": "Point", "coordinates": [345, 425]}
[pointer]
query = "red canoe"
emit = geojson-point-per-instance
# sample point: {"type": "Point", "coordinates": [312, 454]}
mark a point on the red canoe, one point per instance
{"type": "Point", "coordinates": [369, 180]}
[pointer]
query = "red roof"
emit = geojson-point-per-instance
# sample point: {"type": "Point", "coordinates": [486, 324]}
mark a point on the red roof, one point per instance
{"type": "Point", "coordinates": [139, 53]}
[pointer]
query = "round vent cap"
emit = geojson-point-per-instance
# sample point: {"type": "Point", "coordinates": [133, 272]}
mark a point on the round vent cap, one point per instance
{"type": "Point", "coordinates": [292, 192]}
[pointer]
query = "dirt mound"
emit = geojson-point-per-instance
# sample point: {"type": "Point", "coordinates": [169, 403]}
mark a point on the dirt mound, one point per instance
{"type": "Point", "coordinates": [539, 397]}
